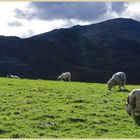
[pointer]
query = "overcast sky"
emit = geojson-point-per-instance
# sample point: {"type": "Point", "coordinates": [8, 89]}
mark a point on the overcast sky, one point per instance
{"type": "Point", "coordinates": [25, 19]}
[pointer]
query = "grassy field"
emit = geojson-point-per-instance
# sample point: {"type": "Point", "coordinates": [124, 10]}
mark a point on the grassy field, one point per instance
{"type": "Point", "coordinates": [54, 109]}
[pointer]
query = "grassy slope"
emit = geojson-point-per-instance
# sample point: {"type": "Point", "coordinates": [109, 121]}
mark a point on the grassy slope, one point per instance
{"type": "Point", "coordinates": [37, 108]}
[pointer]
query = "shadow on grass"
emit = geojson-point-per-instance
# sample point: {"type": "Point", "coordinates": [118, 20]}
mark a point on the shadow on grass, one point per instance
{"type": "Point", "coordinates": [123, 90]}
{"type": "Point", "coordinates": [137, 120]}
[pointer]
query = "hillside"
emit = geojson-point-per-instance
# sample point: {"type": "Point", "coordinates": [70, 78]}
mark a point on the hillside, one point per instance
{"type": "Point", "coordinates": [52, 109]}
{"type": "Point", "coordinates": [92, 53]}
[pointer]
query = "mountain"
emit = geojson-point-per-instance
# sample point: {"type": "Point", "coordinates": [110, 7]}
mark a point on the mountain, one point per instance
{"type": "Point", "coordinates": [92, 53]}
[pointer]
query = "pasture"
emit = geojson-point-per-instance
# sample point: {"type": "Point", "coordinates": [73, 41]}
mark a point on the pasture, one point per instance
{"type": "Point", "coordinates": [56, 109]}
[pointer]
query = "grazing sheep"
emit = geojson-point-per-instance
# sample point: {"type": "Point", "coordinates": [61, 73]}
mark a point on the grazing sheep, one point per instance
{"type": "Point", "coordinates": [65, 76]}
{"type": "Point", "coordinates": [12, 76]}
{"type": "Point", "coordinates": [133, 103]}
{"type": "Point", "coordinates": [119, 79]}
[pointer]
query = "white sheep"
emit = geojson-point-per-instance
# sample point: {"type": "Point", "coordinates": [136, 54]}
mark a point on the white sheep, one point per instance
{"type": "Point", "coordinates": [133, 103]}
{"type": "Point", "coordinates": [65, 76]}
{"type": "Point", "coordinates": [119, 79]}
{"type": "Point", "coordinates": [12, 76]}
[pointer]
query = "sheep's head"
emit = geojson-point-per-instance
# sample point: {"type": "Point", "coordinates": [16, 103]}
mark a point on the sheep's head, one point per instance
{"type": "Point", "coordinates": [8, 75]}
{"type": "Point", "coordinates": [59, 77]}
{"type": "Point", "coordinates": [110, 85]}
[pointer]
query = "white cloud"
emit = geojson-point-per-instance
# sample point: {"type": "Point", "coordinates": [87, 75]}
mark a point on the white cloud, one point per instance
{"type": "Point", "coordinates": [41, 26]}
{"type": "Point", "coordinates": [28, 27]}
{"type": "Point", "coordinates": [133, 10]}
{"type": "Point", "coordinates": [19, 18]}
{"type": "Point", "coordinates": [7, 15]}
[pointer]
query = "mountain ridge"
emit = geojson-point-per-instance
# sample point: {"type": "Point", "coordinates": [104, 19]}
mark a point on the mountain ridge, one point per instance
{"type": "Point", "coordinates": [92, 53]}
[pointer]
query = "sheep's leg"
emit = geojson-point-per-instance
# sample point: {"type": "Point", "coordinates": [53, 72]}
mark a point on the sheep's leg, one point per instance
{"type": "Point", "coordinates": [69, 78]}
{"type": "Point", "coordinates": [120, 85]}
{"type": "Point", "coordinates": [133, 114]}
{"type": "Point", "coordinates": [124, 86]}
{"type": "Point", "coordinates": [113, 87]}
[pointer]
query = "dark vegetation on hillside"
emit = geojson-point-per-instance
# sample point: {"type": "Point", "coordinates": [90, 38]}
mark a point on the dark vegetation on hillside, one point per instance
{"type": "Point", "coordinates": [91, 53]}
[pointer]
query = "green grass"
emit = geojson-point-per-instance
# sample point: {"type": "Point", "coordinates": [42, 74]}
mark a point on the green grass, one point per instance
{"type": "Point", "coordinates": [55, 109]}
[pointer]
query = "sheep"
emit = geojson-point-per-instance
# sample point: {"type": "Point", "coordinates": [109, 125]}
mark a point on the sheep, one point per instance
{"type": "Point", "coordinates": [119, 79]}
{"type": "Point", "coordinates": [12, 76]}
{"type": "Point", "coordinates": [65, 76]}
{"type": "Point", "coordinates": [133, 103]}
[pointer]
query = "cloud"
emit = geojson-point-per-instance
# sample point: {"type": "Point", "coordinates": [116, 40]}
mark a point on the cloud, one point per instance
{"type": "Point", "coordinates": [82, 11]}
{"type": "Point", "coordinates": [68, 10]}
{"type": "Point", "coordinates": [28, 34]}
{"type": "Point", "coordinates": [119, 7]}
{"type": "Point", "coordinates": [14, 24]}
{"type": "Point", "coordinates": [19, 13]}
{"type": "Point", "coordinates": [133, 10]}
{"type": "Point", "coordinates": [31, 18]}
{"type": "Point", "coordinates": [24, 14]}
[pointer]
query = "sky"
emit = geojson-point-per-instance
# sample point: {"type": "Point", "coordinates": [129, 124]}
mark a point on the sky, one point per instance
{"type": "Point", "coordinates": [26, 19]}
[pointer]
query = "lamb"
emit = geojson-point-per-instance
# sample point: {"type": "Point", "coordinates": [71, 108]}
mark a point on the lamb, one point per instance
{"type": "Point", "coordinates": [133, 103]}
{"type": "Point", "coordinates": [65, 76]}
{"type": "Point", "coordinates": [119, 79]}
{"type": "Point", "coordinates": [12, 76]}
